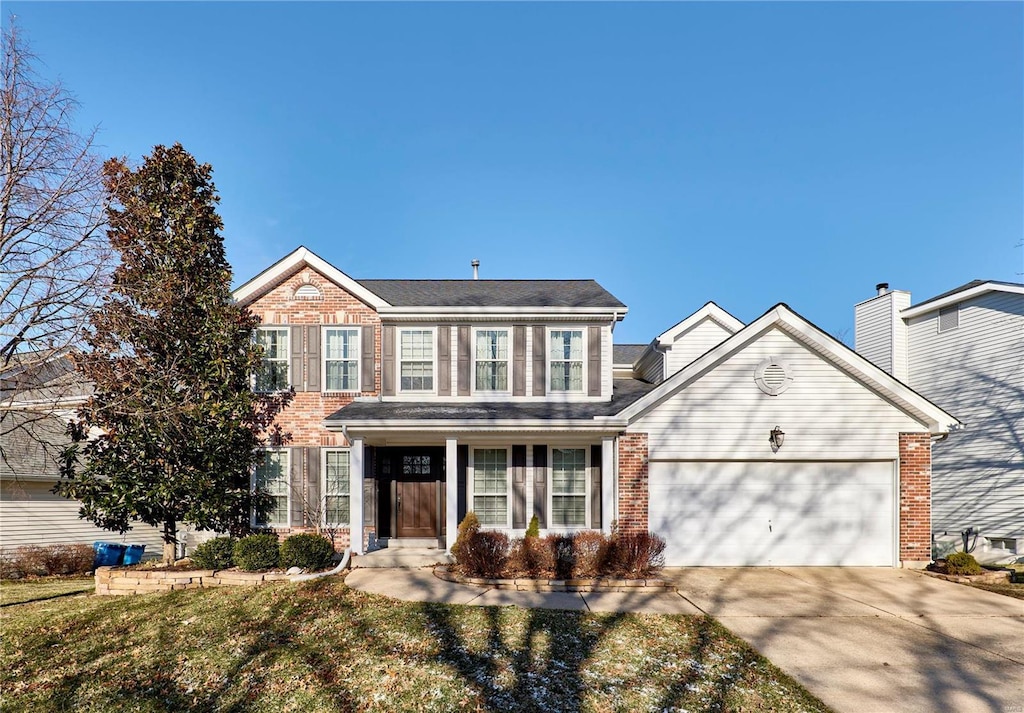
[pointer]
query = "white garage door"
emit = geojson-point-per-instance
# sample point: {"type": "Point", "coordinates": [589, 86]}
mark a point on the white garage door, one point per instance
{"type": "Point", "coordinates": [774, 513]}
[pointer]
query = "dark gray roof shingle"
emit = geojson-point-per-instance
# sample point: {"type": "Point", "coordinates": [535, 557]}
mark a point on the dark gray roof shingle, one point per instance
{"type": "Point", "coordinates": [627, 353]}
{"type": "Point", "coordinates": [965, 287]}
{"type": "Point", "coordinates": [493, 293]}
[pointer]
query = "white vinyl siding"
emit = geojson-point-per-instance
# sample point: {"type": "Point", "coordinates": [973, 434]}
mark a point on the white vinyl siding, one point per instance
{"type": "Point", "coordinates": [879, 335]}
{"type": "Point", "coordinates": [341, 359]}
{"type": "Point", "coordinates": [693, 343]}
{"type": "Point", "coordinates": [416, 360]}
{"type": "Point", "coordinates": [271, 476]}
{"type": "Point", "coordinates": [566, 359]}
{"type": "Point", "coordinates": [273, 371]}
{"type": "Point", "coordinates": [490, 486]}
{"type": "Point", "coordinates": [491, 359]}
{"type": "Point", "coordinates": [569, 506]}
{"type": "Point", "coordinates": [337, 487]}
{"type": "Point", "coordinates": [976, 373]}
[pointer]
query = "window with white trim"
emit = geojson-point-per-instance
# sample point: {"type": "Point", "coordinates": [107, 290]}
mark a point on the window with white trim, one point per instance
{"type": "Point", "coordinates": [569, 487]}
{"type": "Point", "coordinates": [337, 484]}
{"type": "Point", "coordinates": [341, 359]}
{"type": "Point", "coordinates": [491, 354]}
{"type": "Point", "coordinates": [416, 360]}
{"type": "Point", "coordinates": [272, 374]}
{"type": "Point", "coordinates": [490, 486]}
{"type": "Point", "coordinates": [271, 477]}
{"type": "Point", "coordinates": [565, 359]}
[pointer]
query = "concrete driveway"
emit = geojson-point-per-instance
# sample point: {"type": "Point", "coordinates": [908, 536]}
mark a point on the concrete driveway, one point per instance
{"type": "Point", "coordinates": [868, 640]}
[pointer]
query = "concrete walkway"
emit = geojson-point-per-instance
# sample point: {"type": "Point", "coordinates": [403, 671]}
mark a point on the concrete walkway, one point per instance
{"type": "Point", "coordinates": [862, 640]}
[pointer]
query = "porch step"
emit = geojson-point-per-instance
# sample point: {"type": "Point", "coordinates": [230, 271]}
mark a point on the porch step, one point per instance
{"type": "Point", "coordinates": [402, 557]}
{"type": "Point", "coordinates": [405, 543]}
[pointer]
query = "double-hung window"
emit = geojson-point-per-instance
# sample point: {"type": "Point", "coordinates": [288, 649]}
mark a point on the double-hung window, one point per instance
{"type": "Point", "coordinates": [272, 374]}
{"type": "Point", "coordinates": [492, 354]}
{"type": "Point", "coordinates": [569, 487]}
{"type": "Point", "coordinates": [337, 482]}
{"type": "Point", "coordinates": [271, 477]}
{"type": "Point", "coordinates": [490, 485]}
{"type": "Point", "coordinates": [341, 359]}
{"type": "Point", "coordinates": [416, 359]}
{"type": "Point", "coordinates": [566, 360]}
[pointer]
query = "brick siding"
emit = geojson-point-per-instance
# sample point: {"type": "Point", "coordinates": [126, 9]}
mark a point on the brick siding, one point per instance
{"type": "Point", "coordinates": [633, 493]}
{"type": "Point", "coordinates": [915, 497]}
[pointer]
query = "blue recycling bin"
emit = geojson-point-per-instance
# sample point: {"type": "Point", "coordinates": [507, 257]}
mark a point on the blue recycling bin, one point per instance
{"type": "Point", "coordinates": [133, 554]}
{"type": "Point", "coordinates": [108, 554]}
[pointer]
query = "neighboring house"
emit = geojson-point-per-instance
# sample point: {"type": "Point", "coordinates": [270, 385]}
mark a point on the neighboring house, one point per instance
{"type": "Point", "coordinates": [418, 400]}
{"type": "Point", "coordinates": [38, 397]}
{"type": "Point", "coordinates": [963, 349]}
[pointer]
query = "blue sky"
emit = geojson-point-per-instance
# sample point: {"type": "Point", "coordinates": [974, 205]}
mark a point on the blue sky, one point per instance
{"type": "Point", "coordinates": [746, 153]}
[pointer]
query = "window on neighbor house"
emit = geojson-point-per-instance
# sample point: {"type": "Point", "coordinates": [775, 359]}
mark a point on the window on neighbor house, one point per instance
{"type": "Point", "coordinates": [490, 485]}
{"type": "Point", "coordinates": [569, 487]}
{"type": "Point", "coordinates": [341, 359]}
{"type": "Point", "coordinates": [492, 355]}
{"type": "Point", "coordinates": [272, 374]}
{"type": "Point", "coordinates": [337, 482]}
{"type": "Point", "coordinates": [566, 360]}
{"type": "Point", "coordinates": [416, 357]}
{"type": "Point", "coordinates": [271, 476]}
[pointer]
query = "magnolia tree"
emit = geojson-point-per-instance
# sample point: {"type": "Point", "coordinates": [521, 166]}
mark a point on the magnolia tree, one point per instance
{"type": "Point", "coordinates": [172, 430]}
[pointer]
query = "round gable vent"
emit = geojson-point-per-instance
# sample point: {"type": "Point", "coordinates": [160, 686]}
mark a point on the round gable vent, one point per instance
{"type": "Point", "coordinates": [772, 376]}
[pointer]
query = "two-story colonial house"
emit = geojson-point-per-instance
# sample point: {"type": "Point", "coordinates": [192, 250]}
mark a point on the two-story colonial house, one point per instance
{"type": "Point", "coordinates": [419, 400]}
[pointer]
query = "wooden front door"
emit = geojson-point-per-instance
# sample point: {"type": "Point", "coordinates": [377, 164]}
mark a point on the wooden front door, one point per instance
{"type": "Point", "coordinates": [417, 508]}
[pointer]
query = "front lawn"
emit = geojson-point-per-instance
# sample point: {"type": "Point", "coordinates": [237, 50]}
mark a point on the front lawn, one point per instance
{"type": "Point", "coordinates": [19, 591]}
{"type": "Point", "coordinates": [321, 646]}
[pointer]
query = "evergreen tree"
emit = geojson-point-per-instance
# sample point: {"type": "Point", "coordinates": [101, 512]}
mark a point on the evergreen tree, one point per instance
{"type": "Point", "coordinates": [172, 431]}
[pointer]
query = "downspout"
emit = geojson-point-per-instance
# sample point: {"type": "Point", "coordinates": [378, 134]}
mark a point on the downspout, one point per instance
{"type": "Point", "coordinates": [317, 575]}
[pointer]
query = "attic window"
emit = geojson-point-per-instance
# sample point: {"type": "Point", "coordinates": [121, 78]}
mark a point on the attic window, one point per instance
{"type": "Point", "coordinates": [949, 318]}
{"type": "Point", "coordinates": [772, 376]}
{"type": "Point", "coordinates": [307, 292]}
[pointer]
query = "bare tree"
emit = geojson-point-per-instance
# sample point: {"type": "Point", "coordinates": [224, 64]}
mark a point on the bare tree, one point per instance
{"type": "Point", "coordinates": [54, 258]}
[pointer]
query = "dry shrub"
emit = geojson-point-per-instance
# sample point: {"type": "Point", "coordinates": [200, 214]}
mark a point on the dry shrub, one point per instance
{"type": "Point", "coordinates": [636, 554]}
{"type": "Point", "coordinates": [590, 554]}
{"type": "Point", "coordinates": [468, 529]}
{"type": "Point", "coordinates": [531, 557]}
{"type": "Point", "coordinates": [46, 560]}
{"type": "Point", "coordinates": [484, 554]}
{"type": "Point", "coordinates": [562, 554]}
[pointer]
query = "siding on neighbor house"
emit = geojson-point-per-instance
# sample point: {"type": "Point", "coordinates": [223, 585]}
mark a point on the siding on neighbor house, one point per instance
{"type": "Point", "coordinates": [976, 373]}
{"type": "Point", "coordinates": [880, 336]}
{"type": "Point", "coordinates": [694, 342]}
{"type": "Point", "coordinates": [31, 515]}
{"type": "Point", "coordinates": [825, 413]}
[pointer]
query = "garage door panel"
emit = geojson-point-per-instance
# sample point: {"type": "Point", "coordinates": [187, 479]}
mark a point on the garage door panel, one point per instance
{"type": "Point", "coordinates": [774, 513]}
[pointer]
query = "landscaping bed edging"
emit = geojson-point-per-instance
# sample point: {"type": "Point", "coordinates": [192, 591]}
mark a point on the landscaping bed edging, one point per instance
{"type": "Point", "coordinates": [121, 580]}
{"type": "Point", "coordinates": [527, 584]}
{"type": "Point", "coordinates": [994, 577]}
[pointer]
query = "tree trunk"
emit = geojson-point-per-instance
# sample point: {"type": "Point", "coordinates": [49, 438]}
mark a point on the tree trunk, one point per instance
{"type": "Point", "coordinates": [170, 542]}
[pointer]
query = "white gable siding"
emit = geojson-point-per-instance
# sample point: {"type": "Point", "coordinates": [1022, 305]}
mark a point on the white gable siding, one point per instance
{"type": "Point", "coordinates": [650, 367]}
{"type": "Point", "coordinates": [976, 372]}
{"type": "Point", "coordinates": [879, 334]}
{"type": "Point", "coordinates": [825, 413]}
{"type": "Point", "coordinates": [693, 343]}
{"type": "Point", "coordinates": [31, 515]}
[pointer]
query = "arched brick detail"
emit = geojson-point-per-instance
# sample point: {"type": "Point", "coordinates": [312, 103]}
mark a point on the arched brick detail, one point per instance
{"type": "Point", "coordinates": [633, 493]}
{"type": "Point", "coordinates": [915, 498]}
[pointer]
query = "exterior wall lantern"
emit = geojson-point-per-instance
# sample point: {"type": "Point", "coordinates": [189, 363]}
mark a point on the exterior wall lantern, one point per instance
{"type": "Point", "coordinates": [776, 437]}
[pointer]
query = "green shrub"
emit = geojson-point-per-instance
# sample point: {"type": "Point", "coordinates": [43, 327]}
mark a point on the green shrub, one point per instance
{"type": "Point", "coordinates": [533, 530]}
{"type": "Point", "coordinates": [218, 553]}
{"type": "Point", "coordinates": [962, 563]}
{"type": "Point", "coordinates": [257, 552]}
{"type": "Point", "coordinates": [469, 526]}
{"type": "Point", "coordinates": [308, 551]}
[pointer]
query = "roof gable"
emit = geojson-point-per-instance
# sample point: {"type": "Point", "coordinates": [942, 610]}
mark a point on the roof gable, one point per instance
{"type": "Point", "coordinates": [967, 291]}
{"type": "Point", "coordinates": [709, 311]}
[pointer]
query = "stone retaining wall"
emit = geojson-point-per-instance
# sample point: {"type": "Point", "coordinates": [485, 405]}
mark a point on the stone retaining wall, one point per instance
{"type": "Point", "coordinates": [523, 584]}
{"type": "Point", "coordinates": [121, 580]}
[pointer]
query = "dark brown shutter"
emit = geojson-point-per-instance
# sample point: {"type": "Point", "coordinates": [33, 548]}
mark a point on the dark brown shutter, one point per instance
{"type": "Point", "coordinates": [296, 491]}
{"type": "Point", "coordinates": [539, 360]}
{"type": "Point", "coordinates": [519, 360]}
{"type": "Point", "coordinates": [369, 488]}
{"type": "Point", "coordinates": [313, 358]}
{"type": "Point", "coordinates": [444, 361]}
{"type": "Point", "coordinates": [387, 360]}
{"type": "Point", "coordinates": [465, 359]}
{"type": "Point", "coordinates": [461, 470]}
{"type": "Point", "coordinates": [314, 504]}
{"type": "Point", "coordinates": [594, 357]}
{"type": "Point", "coordinates": [519, 487]}
{"type": "Point", "coordinates": [295, 358]}
{"type": "Point", "coordinates": [595, 487]}
{"type": "Point", "coordinates": [366, 355]}
{"type": "Point", "coordinates": [540, 484]}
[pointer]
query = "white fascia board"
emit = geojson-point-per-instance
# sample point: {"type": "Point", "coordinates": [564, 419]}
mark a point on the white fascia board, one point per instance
{"type": "Point", "coordinates": [498, 313]}
{"type": "Point", "coordinates": [911, 312]}
{"type": "Point", "coordinates": [603, 424]}
{"type": "Point", "coordinates": [893, 390]}
{"type": "Point", "coordinates": [708, 311]}
{"type": "Point", "coordinates": [875, 297]}
{"type": "Point", "coordinates": [304, 256]}
{"type": "Point", "coordinates": [66, 402]}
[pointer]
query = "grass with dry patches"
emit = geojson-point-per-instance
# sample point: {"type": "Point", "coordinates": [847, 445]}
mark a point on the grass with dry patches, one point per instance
{"type": "Point", "coordinates": [19, 591]}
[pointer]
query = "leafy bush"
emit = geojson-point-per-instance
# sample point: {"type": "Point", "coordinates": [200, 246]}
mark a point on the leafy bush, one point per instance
{"type": "Point", "coordinates": [308, 551]}
{"type": "Point", "coordinates": [257, 552]}
{"type": "Point", "coordinates": [533, 529]}
{"type": "Point", "coordinates": [468, 528]}
{"type": "Point", "coordinates": [636, 554]}
{"type": "Point", "coordinates": [46, 560]}
{"type": "Point", "coordinates": [218, 553]}
{"type": "Point", "coordinates": [962, 563]}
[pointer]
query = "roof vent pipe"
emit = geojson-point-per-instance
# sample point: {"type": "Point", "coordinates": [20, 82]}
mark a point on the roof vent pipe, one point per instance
{"type": "Point", "coordinates": [882, 288]}
{"type": "Point", "coordinates": [476, 269]}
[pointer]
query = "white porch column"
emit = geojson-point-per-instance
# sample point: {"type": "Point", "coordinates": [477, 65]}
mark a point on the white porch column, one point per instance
{"type": "Point", "coordinates": [609, 468]}
{"type": "Point", "coordinates": [451, 485]}
{"type": "Point", "coordinates": [356, 495]}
